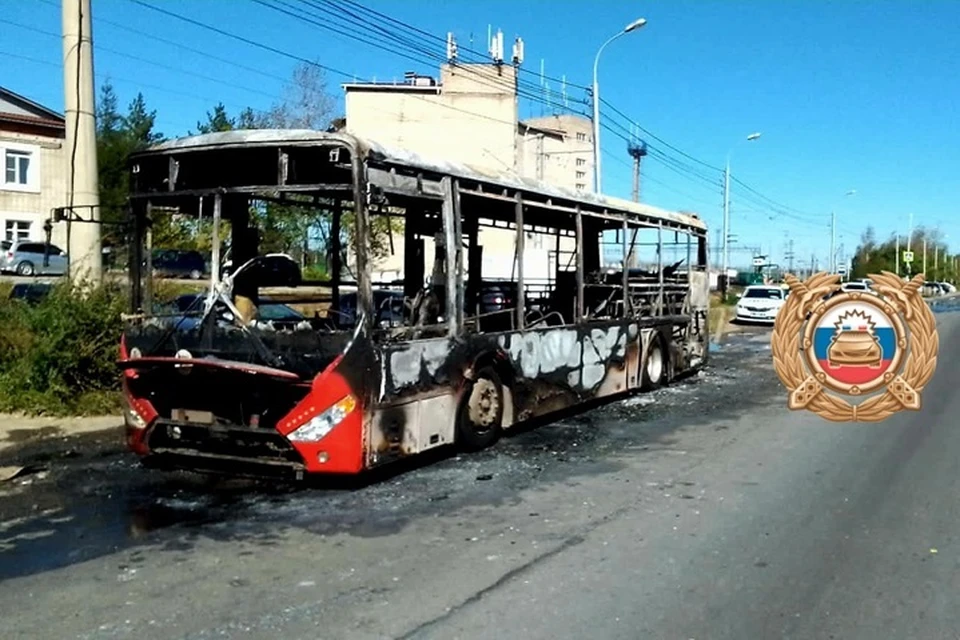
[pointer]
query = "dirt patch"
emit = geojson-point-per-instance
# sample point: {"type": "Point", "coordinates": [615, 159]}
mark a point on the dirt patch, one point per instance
{"type": "Point", "coordinates": [19, 435]}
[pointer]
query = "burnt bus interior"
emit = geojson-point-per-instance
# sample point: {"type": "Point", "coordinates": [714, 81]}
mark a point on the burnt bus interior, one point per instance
{"type": "Point", "coordinates": [436, 215]}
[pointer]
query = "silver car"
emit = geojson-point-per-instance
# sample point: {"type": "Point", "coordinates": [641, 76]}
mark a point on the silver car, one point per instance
{"type": "Point", "coordinates": [27, 258]}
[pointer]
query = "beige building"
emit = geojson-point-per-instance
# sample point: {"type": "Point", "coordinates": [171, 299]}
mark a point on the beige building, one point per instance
{"type": "Point", "coordinates": [34, 178]}
{"type": "Point", "coordinates": [558, 150]}
{"type": "Point", "coordinates": [470, 116]}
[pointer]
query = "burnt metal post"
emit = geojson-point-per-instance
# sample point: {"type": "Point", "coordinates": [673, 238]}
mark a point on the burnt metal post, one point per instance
{"type": "Point", "coordinates": [361, 231]}
{"type": "Point", "coordinates": [457, 273]}
{"type": "Point", "coordinates": [450, 240]}
{"type": "Point", "coordinates": [135, 258]}
{"type": "Point", "coordinates": [579, 317]}
{"type": "Point", "coordinates": [215, 258]}
{"type": "Point", "coordinates": [689, 295]}
{"type": "Point", "coordinates": [626, 271]}
{"type": "Point", "coordinates": [148, 272]}
{"type": "Point", "coordinates": [660, 265]}
{"type": "Point", "coordinates": [335, 266]}
{"type": "Point", "coordinates": [521, 238]}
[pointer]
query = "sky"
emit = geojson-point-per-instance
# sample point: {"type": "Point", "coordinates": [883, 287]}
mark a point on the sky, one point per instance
{"type": "Point", "coordinates": [847, 96]}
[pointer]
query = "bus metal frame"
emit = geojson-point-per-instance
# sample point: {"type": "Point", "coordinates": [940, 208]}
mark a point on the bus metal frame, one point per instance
{"type": "Point", "coordinates": [447, 375]}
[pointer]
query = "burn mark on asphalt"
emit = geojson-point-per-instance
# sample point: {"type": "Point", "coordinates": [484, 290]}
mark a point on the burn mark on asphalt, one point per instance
{"type": "Point", "coordinates": [102, 501]}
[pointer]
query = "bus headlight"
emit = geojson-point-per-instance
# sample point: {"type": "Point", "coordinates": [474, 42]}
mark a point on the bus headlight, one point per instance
{"type": "Point", "coordinates": [320, 426]}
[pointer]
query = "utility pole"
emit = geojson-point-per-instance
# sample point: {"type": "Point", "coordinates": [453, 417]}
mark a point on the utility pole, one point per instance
{"type": "Point", "coordinates": [726, 225]}
{"type": "Point", "coordinates": [637, 152]}
{"type": "Point", "coordinates": [924, 254]}
{"type": "Point", "coordinates": [833, 241]}
{"type": "Point", "coordinates": [909, 244]}
{"type": "Point", "coordinates": [789, 255]}
{"type": "Point", "coordinates": [83, 196]}
{"type": "Point", "coordinates": [636, 24]}
{"type": "Point", "coordinates": [897, 257]}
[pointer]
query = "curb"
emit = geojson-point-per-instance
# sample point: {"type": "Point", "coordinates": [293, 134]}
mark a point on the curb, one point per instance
{"type": "Point", "coordinates": [18, 430]}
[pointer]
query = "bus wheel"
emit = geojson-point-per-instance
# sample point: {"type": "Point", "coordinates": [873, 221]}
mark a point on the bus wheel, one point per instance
{"type": "Point", "coordinates": [481, 411]}
{"type": "Point", "coordinates": [655, 367]}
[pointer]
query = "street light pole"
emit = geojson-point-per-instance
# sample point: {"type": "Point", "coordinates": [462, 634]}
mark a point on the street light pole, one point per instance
{"type": "Point", "coordinates": [833, 235]}
{"type": "Point", "coordinates": [726, 212]}
{"type": "Point", "coordinates": [636, 24]}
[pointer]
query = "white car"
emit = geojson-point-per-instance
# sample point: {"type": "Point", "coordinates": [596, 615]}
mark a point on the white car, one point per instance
{"type": "Point", "coordinates": [855, 285]}
{"type": "Point", "coordinates": [761, 303]}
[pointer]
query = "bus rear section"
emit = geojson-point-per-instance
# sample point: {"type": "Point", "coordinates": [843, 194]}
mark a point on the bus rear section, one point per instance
{"type": "Point", "coordinates": [507, 301]}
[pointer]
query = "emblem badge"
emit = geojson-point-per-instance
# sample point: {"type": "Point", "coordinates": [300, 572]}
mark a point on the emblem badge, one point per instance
{"type": "Point", "coordinates": [855, 356]}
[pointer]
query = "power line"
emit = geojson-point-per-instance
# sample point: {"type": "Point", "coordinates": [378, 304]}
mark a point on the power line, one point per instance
{"type": "Point", "coordinates": [427, 34]}
{"type": "Point", "coordinates": [129, 56]}
{"type": "Point", "coordinates": [234, 36]}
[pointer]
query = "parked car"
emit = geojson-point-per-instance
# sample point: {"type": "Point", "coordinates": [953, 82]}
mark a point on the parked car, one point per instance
{"type": "Point", "coordinates": [28, 258]}
{"type": "Point", "coordinates": [760, 303]}
{"type": "Point", "coordinates": [178, 263]}
{"type": "Point", "coordinates": [32, 292]}
{"type": "Point", "coordinates": [191, 304]}
{"type": "Point", "coordinates": [388, 303]}
{"type": "Point", "coordinates": [855, 285]}
{"type": "Point", "coordinates": [270, 270]}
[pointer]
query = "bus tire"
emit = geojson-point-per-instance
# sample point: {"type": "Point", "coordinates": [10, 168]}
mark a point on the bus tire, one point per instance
{"type": "Point", "coordinates": [654, 371]}
{"type": "Point", "coordinates": [480, 416]}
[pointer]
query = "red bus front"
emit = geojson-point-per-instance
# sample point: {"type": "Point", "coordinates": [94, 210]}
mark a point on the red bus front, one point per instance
{"type": "Point", "coordinates": [218, 415]}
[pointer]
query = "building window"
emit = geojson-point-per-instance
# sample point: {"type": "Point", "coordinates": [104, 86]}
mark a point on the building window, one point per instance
{"type": "Point", "coordinates": [581, 187]}
{"type": "Point", "coordinates": [17, 167]}
{"type": "Point", "coordinates": [15, 230]}
{"type": "Point", "coordinates": [581, 136]}
{"type": "Point", "coordinates": [581, 175]}
{"type": "Point", "coordinates": [581, 162]}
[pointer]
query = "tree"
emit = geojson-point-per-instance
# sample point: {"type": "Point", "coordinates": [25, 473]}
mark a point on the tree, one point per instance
{"type": "Point", "coordinates": [305, 102]}
{"type": "Point", "coordinates": [218, 121]}
{"type": "Point", "coordinates": [139, 125]}
{"type": "Point", "coordinates": [118, 136]}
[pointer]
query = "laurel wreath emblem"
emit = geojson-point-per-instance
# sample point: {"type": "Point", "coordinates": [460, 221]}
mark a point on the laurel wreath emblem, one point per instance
{"type": "Point", "coordinates": [807, 389]}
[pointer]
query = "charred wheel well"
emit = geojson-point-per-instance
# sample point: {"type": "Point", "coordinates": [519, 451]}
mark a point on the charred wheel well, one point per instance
{"type": "Point", "coordinates": [661, 337]}
{"type": "Point", "coordinates": [499, 362]}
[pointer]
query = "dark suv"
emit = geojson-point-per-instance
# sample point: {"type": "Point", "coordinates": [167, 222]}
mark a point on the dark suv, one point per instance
{"type": "Point", "coordinates": [177, 263]}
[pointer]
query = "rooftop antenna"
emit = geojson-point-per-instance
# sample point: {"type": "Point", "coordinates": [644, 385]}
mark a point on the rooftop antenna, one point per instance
{"type": "Point", "coordinates": [451, 47]}
{"type": "Point", "coordinates": [518, 51]}
{"type": "Point", "coordinates": [543, 87]}
{"type": "Point", "coordinates": [496, 48]}
{"type": "Point", "coordinates": [563, 79]}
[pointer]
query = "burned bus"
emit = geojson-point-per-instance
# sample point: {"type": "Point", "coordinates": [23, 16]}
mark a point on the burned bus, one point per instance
{"type": "Point", "coordinates": [465, 345]}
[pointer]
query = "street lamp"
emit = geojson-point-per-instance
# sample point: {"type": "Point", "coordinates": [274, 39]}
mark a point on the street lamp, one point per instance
{"type": "Point", "coordinates": [636, 24]}
{"type": "Point", "coordinates": [726, 206]}
{"type": "Point", "coordinates": [833, 234]}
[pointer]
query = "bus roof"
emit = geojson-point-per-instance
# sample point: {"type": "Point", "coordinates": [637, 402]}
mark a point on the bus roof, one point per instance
{"type": "Point", "coordinates": [393, 155]}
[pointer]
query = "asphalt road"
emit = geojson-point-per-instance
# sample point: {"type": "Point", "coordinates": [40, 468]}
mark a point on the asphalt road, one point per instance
{"type": "Point", "coordinates": [707, 510]}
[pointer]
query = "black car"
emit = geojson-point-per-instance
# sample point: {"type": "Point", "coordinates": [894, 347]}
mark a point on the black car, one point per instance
{"type": "Point", "coordinates": [271, 270]}
{"type": "Point", "coordinates": [388, 304]}
{"type": "Point", "coordinates": [31, 293]}
{"type": "Point", "coordinates": [177, 263]}
{"type": "Point", "coordinates": [280, 315]}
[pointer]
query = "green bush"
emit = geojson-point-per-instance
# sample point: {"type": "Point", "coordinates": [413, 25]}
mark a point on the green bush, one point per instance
{"type": "Point", "coordinates": [59, 356]}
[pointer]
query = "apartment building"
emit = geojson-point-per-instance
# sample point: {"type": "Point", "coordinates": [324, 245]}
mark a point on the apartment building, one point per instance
{"type": "Point", "coordinates": [34, 179]}
{"type": "Point", "coordinates": [557, 149]}
{"type": "Point", "coordinates": [470, 116]}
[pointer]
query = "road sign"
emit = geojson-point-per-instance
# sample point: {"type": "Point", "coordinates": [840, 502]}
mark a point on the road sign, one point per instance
{"type": "Point", "coordinates": [841, 271]}
{"type": "Point", "coordinates": [908, 256]}
{"type": "Point", "coordinates": [759, 261]}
